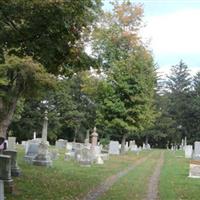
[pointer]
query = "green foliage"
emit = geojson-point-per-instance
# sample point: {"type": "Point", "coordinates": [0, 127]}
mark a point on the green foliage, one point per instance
{"type": "Point", "coordinates": [47, 30]}
{"type": "Point", "coordinates": [126, 93]}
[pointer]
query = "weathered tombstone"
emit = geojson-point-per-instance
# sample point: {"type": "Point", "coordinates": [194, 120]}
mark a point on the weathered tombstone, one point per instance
{"type": "Point", "coordinates": [31, 150]}
{"type": "Point", "coordinates": [34, 135]}
{"type": "Point", "coordinates": [194, 169]}
{"type": "Point", "coordinates": [126, 146]}
{"type": "Point", "coordinates": [15, 170]}
{"type": "Point", "coordinates": [43, 157]}
{"type": "Point", "coordinates": [87, 139]}
{"type": "Point", "coordinates": [69, 146]}
{"type": "Point", "coordinates": [114, 147]}
{"type": "Point", "coordinates": [85, 157]}
{"type": "Point", "coordinates": [188, 151]}
{"type": "Point", "coordinates": [61, 144]}
{"type": "Point", "coordinates": [144, 146]}
{"type": "Point", "coordinates": [5, 171]}
{"type": "Point", "coordinates": [99, 160]}
{"type": "Point", "coordinates": [11, 143]}
{"type": "Point", "coordinates": [94, 137]}
{"type": "Point", "coordinates": [196, 155]}
{"type": "Point", "coordinates": [1, 190]}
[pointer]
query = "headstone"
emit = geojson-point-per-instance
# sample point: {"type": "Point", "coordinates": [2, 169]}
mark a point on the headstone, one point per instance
{"type": "Point", "coordinates": [31, 150]}
{"type": "Point", "coordinates": [194, 169]}
{"type": "Point", "coordinates": [196, 155]}
{"type": "Point", "coordinates": [185, 141]}
{"type": "Point", "coordinates": [114, 147]}
{"type": "Point", "coordinates": [5, 168]}
{"type": "Point", "coordinates": [144, 146]}
{"type": "Point", "coordinates": [188, 151]}
{"type": "Point", "coordinates": [15, 170]}
{"type": "Point", "coordinates": [94, 137]}
{"type": "Point", "coordinates": [34, 135]}
{"type": "Point", "coordinates": [87, 139]}
{"type": "Point", "coordinates": [11, 143]}
{"type": "Point", "coordinates": [85, 157]}
{"type": "Point", "coordinates": [99, 160]}
{"type": "Point", "coordinates": [61, 144]}
{"type": "Point", "coordinates": [43, 157]}
{"type": "Point", "coordinates": [69, 146]}
{"type": "Point", "coordinates": [1, 190]}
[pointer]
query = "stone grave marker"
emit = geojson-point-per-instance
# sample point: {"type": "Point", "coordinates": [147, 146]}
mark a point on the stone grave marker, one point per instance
{"type": "Point", "coordinates": [61, 144]}
{"type": "Point", "coordinates": [188, 151]}
{"type": "Point", "coordinates": [31, 150]}
{"type": "Point", "coordinates": [15, 170]}
{"type": "Point", "coordinates": [11, 143]}
{"type": "Point", "coordinates": [114, 147]}
{"type": "Point", "coordinates": [85, 157]}
{"type": "Point", "coordinates": [1, 190]}
{"type": "Point", "coordinates": [194, 169]}
{"type": "Point", "coordinates": [43, 157]}
{"type": "Point", "coordinates": [196, 155]}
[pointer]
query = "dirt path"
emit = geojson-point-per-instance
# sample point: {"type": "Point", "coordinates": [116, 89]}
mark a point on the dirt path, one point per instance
{"type": "Point", "coordinates": [105, 186]}
{"type": "Point", "coordinates": [153, 193]}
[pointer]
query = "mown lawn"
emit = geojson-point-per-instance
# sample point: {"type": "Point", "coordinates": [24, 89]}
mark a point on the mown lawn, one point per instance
{"type": "Point", "coordinates": [66, 180]}
{"type": "Point", "coordinates": [134, 185]}
{"type": "Point", "coordinates": [174, 181]}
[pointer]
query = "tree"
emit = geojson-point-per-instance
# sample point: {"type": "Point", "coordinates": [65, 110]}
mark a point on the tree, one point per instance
{"type": "Point", "coordinates": [179, 86]}
{"type": "Point", "coordinates": [21, 78]}
{"type": "Point", "coordinates": [127, 103]}
{"type": "Point", "coordinates": [51, 33]}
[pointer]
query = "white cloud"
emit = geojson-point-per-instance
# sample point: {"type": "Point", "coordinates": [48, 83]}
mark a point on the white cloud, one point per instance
{"type": "Point", "coordinates": [177, 32]}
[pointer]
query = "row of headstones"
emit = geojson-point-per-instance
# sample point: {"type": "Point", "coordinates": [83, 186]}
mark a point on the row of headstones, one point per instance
{"type": "Point", "coordinates": [8, 166]}
{"type": "Point", "coordinates": [114, 147]}
{"type": "Point", "coordinates": [194, 156]}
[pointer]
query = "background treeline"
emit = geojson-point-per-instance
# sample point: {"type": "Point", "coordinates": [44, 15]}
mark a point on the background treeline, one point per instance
{"type": "Point", "coordinates": [88, 68]}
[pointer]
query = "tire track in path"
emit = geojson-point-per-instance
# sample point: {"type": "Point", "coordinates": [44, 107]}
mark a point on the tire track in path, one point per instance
{"type": "Point", "coordinates": [152, 193]}
{"type": "Point", "coordinates": [107, 184]}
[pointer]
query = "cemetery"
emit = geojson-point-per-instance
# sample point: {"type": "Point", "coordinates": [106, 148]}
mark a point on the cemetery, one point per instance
{"type": "Point", "coordinates": [97, 101]}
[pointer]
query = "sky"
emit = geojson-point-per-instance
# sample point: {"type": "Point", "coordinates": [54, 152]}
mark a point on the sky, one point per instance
{"type": "Point", "coordinates": [173, 29]}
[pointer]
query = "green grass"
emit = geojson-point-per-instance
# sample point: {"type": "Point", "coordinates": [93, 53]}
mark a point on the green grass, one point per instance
{"type": "Point", "coordinates": [174, 181]}
{"type": "Point", "coordinates": [134, 185]}
{"type": "Point", "coordinates": [66, 180]}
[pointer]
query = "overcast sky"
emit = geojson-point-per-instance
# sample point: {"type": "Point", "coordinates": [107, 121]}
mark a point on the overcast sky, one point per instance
{"type": "Point", "coordinates": [173, 27]}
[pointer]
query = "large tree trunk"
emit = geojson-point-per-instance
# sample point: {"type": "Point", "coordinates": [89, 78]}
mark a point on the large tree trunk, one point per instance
{"type": "Point", "coordinates": [123, 143]}
{"type": "Point", "coordinates": [7, 111]}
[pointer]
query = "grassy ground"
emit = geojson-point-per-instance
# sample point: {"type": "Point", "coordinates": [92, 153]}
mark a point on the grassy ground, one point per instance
{"type": "Point", "coordinates": [66, 180]}
{"type": "Point", "coordinates": [133, 186]}
{"type": "Point", "coordinates": [174, 182]}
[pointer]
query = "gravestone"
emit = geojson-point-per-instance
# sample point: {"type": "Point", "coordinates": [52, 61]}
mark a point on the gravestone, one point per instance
{"type": "Point", "coordinates": [99, 160]}
{"type": "Point", "coordinates": [15, 170]}
{"type": "Point", "coordinates": [43, 157]}
{"type": "Point", "coordinates": [61, 144]}
{"type": "Point", "coordinates": [196, 155]}
{"type": "Point", "coordinates": [1, 190]}
{"type": "Point", "coordinates": [85, 157]}
{"type": "Point", "coordinates": [11, 143]}
{"type": "Point", "coordinates": [114, 147]}
{"type": "Point", "coordinates": [34, 135]}
{"type": "Point", "coordinates": [87, 139]}
{"type": "Point", "coordinates": [5, 172]}
{"type": "Point", "coordinates": [94, 138]}
{"type": "Point", "coordinates": [31, 150]}
{"type": "Point", "coordinates": [69, 146]}
{"type": "Point", "coordinates": [188, 151]}
{"type": "Point", "coordinates": [194, 169]}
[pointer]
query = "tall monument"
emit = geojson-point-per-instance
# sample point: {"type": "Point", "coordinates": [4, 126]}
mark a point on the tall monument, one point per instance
{"type": "Point", "coordinates": [43, 157]}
